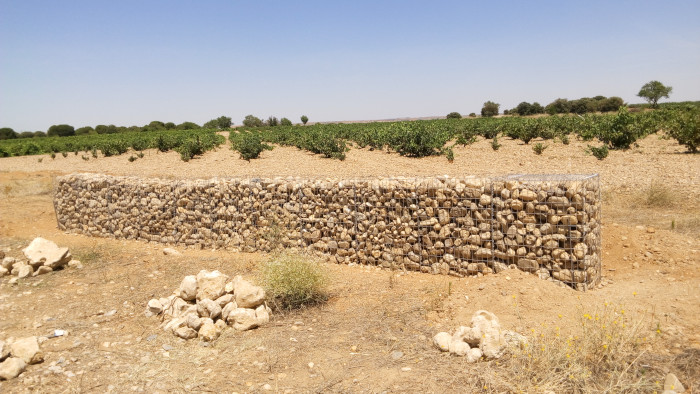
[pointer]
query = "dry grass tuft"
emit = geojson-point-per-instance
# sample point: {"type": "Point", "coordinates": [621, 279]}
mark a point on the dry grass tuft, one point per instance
{"type": "Point", "coordinates": [607, 354]}
{"type": "Point", "coordinates": [294, 280]}
{"type": "Point", "coordinates": [658, 195]}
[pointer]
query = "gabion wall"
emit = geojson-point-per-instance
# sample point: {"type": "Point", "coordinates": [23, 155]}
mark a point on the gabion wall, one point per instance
{"type": "Point", "coordinates": [545, 224]}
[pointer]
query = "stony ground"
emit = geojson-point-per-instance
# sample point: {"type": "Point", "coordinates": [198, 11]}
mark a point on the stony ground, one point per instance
{"type": "Point", "coordinates": [375, 332]}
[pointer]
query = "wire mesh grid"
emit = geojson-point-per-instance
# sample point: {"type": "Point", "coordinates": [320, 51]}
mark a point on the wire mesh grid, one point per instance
{"type": "Point", "coordinates": [545, 224]}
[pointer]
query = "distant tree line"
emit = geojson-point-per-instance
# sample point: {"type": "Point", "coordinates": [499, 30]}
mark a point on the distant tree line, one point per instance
{"type": "Point", "coordinates": [272, 121]}
{"type": "Point", "coordinates": [64, 130]}
{"type": "Point", "coordinates": [564, 106]}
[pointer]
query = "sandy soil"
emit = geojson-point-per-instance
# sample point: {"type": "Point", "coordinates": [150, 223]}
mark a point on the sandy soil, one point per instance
{"type": "Point", "coordinates": [654, 276]}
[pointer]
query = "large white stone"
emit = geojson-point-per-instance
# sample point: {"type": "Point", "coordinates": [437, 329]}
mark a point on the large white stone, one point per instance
{"type": "Point", "coordinates": [242, 319]}
{"type": "Point", "coordinates": [188, 288]}
{"type": "Point", "coordinates": [44, 252]}
{"type": "Point", "coordinates": [226, 310]}
{"type": "Point", "coordinates": [11, 368]}
{"type": "Point", "coordinates": [247, 295]}
{"type": "Point", "coordinates": [442, 341]}
{"type": "Point", "coordinates": [262, 314]}
{"type": "Point", "coordinates": [27, 349]}
{"type": "Point", "coordinates": [208, 308]}
{"type": "Point", "coordinates": [211, 284]}
{"type": "Point", "coordinates": [185, 332]}
{"type": "Point", "coordinates": [209, 332]}
{"type": "Point", "coordinates": [4, 350]}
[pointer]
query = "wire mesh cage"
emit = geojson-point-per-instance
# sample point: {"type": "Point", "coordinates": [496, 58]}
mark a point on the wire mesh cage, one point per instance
{"type": "Point", "coordinates": [548, 225]}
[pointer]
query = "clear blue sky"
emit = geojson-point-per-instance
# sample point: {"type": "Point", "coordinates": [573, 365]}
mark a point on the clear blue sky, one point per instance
{"type": "Point", "coordinates": [89, 62]}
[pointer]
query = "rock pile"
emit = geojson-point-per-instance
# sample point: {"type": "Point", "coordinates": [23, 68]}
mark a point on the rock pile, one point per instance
{"type": "Point", "coordinates": [483, 338]}
{"type": "Point", "coordinates": [42, 256]}
{"type": "Point", "coordinates": [16, 355]}
{"type": "Point", "coordinates": [547, 225]}
{"type": "Point", "coordinates": [205, 304]}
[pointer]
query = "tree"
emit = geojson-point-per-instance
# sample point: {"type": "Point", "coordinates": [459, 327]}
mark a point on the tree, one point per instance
{"type": "Point", "coordinates": [654, 90]}
{"type": "Point", "coordinates": [454, 115]}
{"type": "Point", "coordinates": [155, 125]}
{"type": "Point", "coordinates": [523, 109]}
{"type": "Point", "coordinates": [490, 109]}
{"type": "Point", "coordinates": [285, 122]}
{"type": "Point", "coordinates": [304, 119]}
{"type": "Point", "coordinates": [111, 129]}
{"type": "Point", "coordinates": [611, 104]}
{"type": "Point", "coordinates": [84, 130]}
{"type": "Point", "coordinates": [7, 133]}
{"type": "Point", "coordinates": [187, 126]}
{"type": "Point", "coordinates": [39, 134]}
{"type": "Point", "coordinates": [272, 121]}
{"type": "Point", "coordinates": [60, 130]}
{"type": "Point", "coordinates": [170, 126]}
{"type": "Point", "coordinates": [26, 134]}
{"type": "Point", "coordinates": [558, 106]}
{"type": "Point", "coordinates": [252, 121]}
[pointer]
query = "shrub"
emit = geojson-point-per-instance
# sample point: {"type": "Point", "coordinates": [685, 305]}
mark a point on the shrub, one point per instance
{"type": "Point", "coordinates": [494, 143]}
{"type": "Point", "coordinates": [132, 158]}
{"type": "Point", "coordinates": [490, 109]}
{"type": "Point", "coordinates": [684, 127]}
{"type": "Point", "coordinates": [187, 126]}
{"type": "Point", "coordinates": [538, 148]}
{"type": "Point", "coordinates": [221, 123]}
{"type": "Point", "coordinates": [252, 121]}
{"type": "Point", "coordinates": [7, 133]}
{"type": "Point", "coordinates": [454, 115]}
{"type": "Point", "coordinates": [249, 145]}
{"type": "Point", "coordinates": [293, 281]}
{"type": "Point", "coordinates": [285, 122]}
{"type": "Point", "coordinates": [61, 130]}
{"type": "Point", "coordinates": [472, 115]}
{"type": "Point", "coordinates": [600, 152]}
{"type": "Point", "coordinates": [450, 154]}
{"type": "Point", "coordinates": [565, 139]}
{"type": "Point", "coordinates": [84, 130]}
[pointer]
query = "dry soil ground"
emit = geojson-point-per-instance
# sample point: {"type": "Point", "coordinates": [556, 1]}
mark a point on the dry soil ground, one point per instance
{"type": "Point", "coordinates": [353, 339]}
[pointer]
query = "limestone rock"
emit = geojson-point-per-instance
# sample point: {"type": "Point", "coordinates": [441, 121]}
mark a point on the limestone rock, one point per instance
{"type": "Point", "coordinates": [224, 299]}
{"type": "Point", "coordinates": [209, 332]}
{"type": "Point", "coordinates": [174, 324]}
{"type": "Point", "coordinates": [194, 322]}
{"type": "Point", "coordinates": [4, 350]}
{"type": "Point", "coordinates": [208, 308]}
{"type": "Point", "coordinates": [474, 355]}
{"type": "Point", "coordinates": [4, 272]}
{"type": "Point", "coordinates": [262, 315]}
{"type": "Point", "coordinates": [75, 264]}
{"type": "Point", "coordinates": [210, 284]}
{"type": "Point", "coordinates": [42, 270]}
{"type": "Point", "coordinates": [155, 307]}
{"type": "Point", "coordinates": [8, 262]}
{"type": "Point", "coordinates": [11, 368]}
{"type": "Point", "coordinates": [176, 307]}
{"type": "Point", "coordinates": [247, 295]}
{"type": "Point", "coordinates": [27, 349]}
{"type": "Point", "coordinates": [188, 288]}
{"type": "Point", "coordinates": [458, 347]}
{"type": "Point", "coordinates": [24, 271]}
{"type": "Point", "coordinates": [492, 344]}
{"type": "Point", "coordinates": [171, 252]}
{"type": "Point", "coordinates": [185, 332]}
{"type": "Point", "coordinates": [226, 310]}
{"type": "Point", "coordinates": [442, 341]}
{"type": "Point", "coordinates": [242, 319]}
{"type": "Point", "coordinates": [44, 252]}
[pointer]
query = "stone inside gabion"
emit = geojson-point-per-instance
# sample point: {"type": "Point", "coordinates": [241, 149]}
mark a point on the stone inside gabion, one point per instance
{"type": "Point", "coordinates": [548, 225]}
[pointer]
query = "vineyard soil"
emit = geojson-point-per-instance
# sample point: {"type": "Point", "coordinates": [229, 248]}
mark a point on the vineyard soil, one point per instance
{"type": "Point", "coordinates": [375, 332]}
